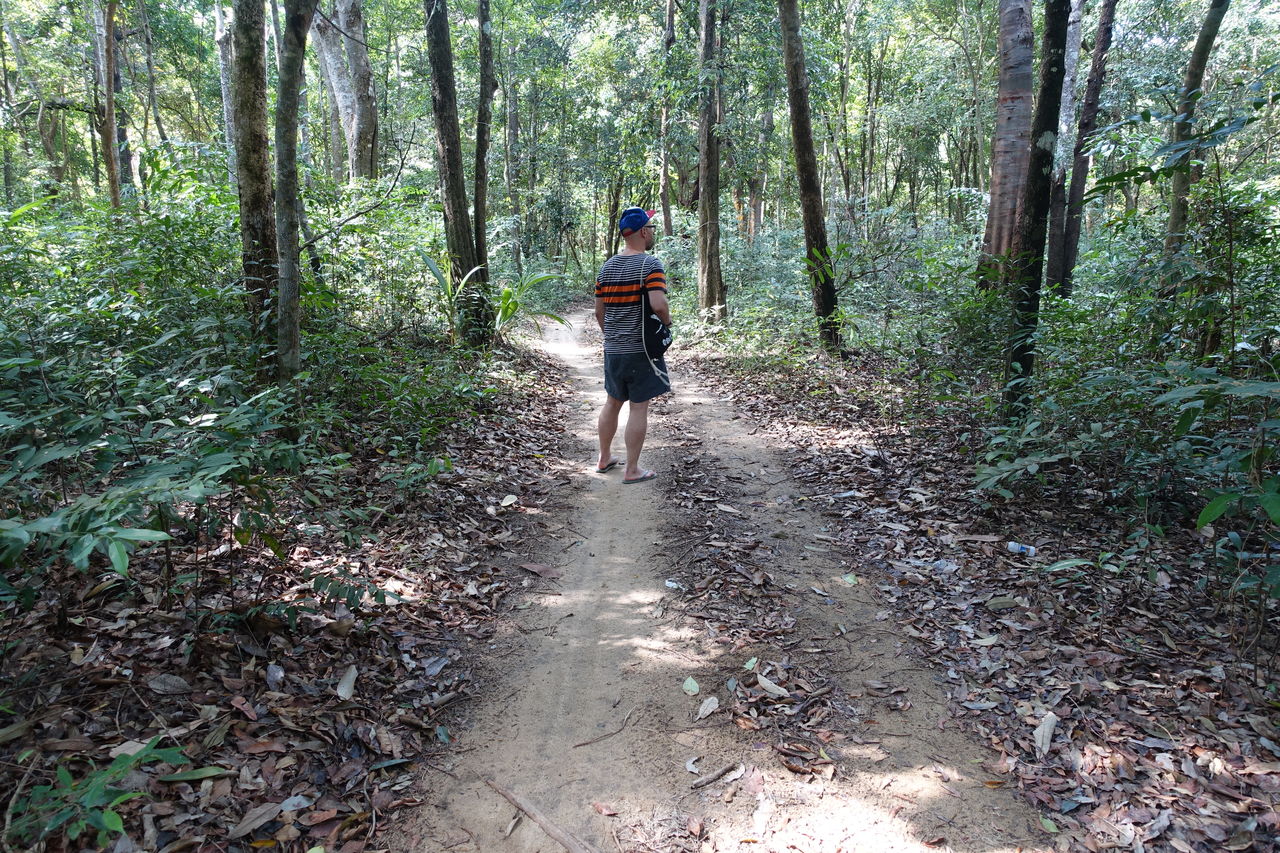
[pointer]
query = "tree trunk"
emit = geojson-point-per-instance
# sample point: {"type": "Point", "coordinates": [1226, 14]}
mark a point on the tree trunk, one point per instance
{"type": "Point", "coordinates": [345, 61]}
{"type": "Point", "coordinates": [337, 139]}
{"type": "Point", "coordinates": [817, 255]}
{"type": "Point", "coordinates": [484, 123]}
{"type": "Point", "coordinates": [107, 118]}
{"type": "Point", "coordinates": [1026, 265]}
{"type": "Point", "coordinates": [711, 289]}
{"type": "Point", "coordinates": [511, 171]}
{"type": "Point", "coordinates": [364, 143]}
{"type": "Point", "coordinates": [476, 314]}
{"type": "Point", "coordinates": [253, 156]}
{"type": "Point", "coordinates": [226, 59]}
{"type": "Point", "coordinates": [664, 175]}
{"type": "Point", "coordinates": [297, 20]}
{"type": "Point", "coordinates": [124, 153]}
{"type": "Point", "coordinates": [333, 65]}
{"type": "Point", "coordinates": [1054, 253]}
{"type": "Point", "coordinates": [1180, 187]}
{"type": "Point", "coordinates": [1080, 156]}
{"type": "Point", "coordinates": [1010, 148]}
{"type": "Point", "coordinates": [151, 72]}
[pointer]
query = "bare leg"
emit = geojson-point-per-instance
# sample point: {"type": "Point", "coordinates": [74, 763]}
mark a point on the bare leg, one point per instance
{"type": "Point", "coordinates": [637, 426]}
{"type": "Point", "coordinates": [607, 426]}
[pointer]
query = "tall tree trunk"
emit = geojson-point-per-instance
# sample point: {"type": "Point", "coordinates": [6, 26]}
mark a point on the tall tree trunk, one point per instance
{"type": "Point", "coordinates": [253, 156]}
{"type": "Point", "coordinates": [364, 143]}
{"type": "Point", "coordinates": [1010, 148]}
{"type": "Point", "coordinates": [511, 161]}
{"type": "Point", "coordinates": [345, 61]}
{"type": "Point", "coordinates": [664, 175]}
{"type": "Point", "coordinates": [711, 289]}
{"type": "Point", "coordinates": [297, 20]}
{"type": "Point", "coordinates": [1054, 253]}
{"type": "Point", "coordinates": [1027, 258]}
{"type": "Point", "coordinates": [124, 153]}
{"type": "Point", "coordinates": [337, 78]}
{"type": "Point", "coordinates": [1080, 155]}
{"type": "Point", "coordinates": [476, 310]}
{"type": "Point", "coordinates": [151, 72]}
{"type": "Point", "coordinates": [484, 124]}
{"type": "Point", "coordinates": [337, 139]}
{"type": "Point", "coordinates": [1180, 187]}
{"type": "Point", "coordinates": [226, 61]}
{"type": "Point", "coordinates": [107, 118]}
{"type": "Point", "coordinates": [817, 255]}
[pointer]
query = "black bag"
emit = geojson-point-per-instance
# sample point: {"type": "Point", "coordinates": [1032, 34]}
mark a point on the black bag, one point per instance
{"type": "Point", "coordinates": [656, 334]}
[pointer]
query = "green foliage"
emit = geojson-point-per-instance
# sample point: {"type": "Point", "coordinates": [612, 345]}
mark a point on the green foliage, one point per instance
{"type": "Point", "coordinates": [514, 302]}
{"type": "Point", "coordinates": [77, 806]}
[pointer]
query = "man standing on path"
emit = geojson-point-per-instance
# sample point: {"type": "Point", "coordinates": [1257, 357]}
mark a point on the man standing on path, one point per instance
{"type": "Point", "coordinates": [629, 373]}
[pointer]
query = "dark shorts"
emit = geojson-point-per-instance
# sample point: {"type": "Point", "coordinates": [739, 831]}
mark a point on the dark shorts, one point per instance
{"type": "Point", "coordinates": [632, 376]}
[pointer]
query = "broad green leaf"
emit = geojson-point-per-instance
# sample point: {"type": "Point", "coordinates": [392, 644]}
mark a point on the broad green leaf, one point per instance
{"type": "Point", "coordinates": [140, 534]}
{"type": "Point", "coordinates": [119, 557]}
{"type": "Point", "coordinates": [196, 774]}
{"type": "Point", "coordinates": [691, 686]}
{"type": "Point", "coordinates": [1271, 505]}
{"type": "Point", "coordinates": [1215, 509]}
{"type": "Point", "coordinates": [1067, 564]}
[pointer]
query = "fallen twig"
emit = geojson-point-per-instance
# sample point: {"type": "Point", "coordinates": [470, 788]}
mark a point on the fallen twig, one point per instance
{"type": "Point", "coordinates": [713, 777]}
{"type": "Point", "coordinates": [565, 838]}
{"type": "Point", "coordinates": [625, 720]}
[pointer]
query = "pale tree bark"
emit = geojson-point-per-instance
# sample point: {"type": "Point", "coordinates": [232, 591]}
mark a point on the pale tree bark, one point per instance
{"type": "Point", "coordinates": [484, 122]}
{"type": "Point", "coordinates": [1080, 156]}
{"type": "Point", "coordinates": [226, 61]}
{"type": "Point", "coordinates": [476, 311]}
{"type": "Point", "coordinates": [339, 40]}
{"type": "Point", "coordinates": [1026, 265]}
{"type": "Point", "coordinates": [364, 145]}
{"type": "Point", "coordinates": [664, 130]}
{"type": "Point", "coordinates": [336, 147]}
{"type": "Point", "coordinates": [253, 157]}
{"type": "Point", "coordinates": [511, 161]}
{"type": "Point", "coordinates": [151, 73]}
{"type": "Point", "coordinates": [1180, 187]}
{"type": "Point", "coordinates": [817, 254]}
{"type": "Point", "coordinates": [293, 45]}
{"type": "Point", "coordinates": [1066, 139]}
{"type": "Point", "coordinates": [106, 49]}
{"type": "Point", "coordinates": [1010, 147]}
{"type": "Point", "coordinates": [711, 288]}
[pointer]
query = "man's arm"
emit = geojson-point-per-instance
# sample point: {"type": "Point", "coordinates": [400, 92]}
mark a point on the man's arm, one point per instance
{"type": "Point", "coordinates": [658, 302]}
{"type": "Point", "coordinates": [600, 312]}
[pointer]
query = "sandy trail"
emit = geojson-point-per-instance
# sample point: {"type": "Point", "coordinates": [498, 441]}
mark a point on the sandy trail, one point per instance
{"type": "Point", "coordinates": [584, 713]}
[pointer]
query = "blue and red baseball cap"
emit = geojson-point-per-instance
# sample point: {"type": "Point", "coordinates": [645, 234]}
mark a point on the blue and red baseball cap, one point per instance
{"type": "Point", "coordinates": [633, 219]}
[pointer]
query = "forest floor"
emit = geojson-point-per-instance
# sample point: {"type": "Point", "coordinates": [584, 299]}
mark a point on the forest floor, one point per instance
{"type": "Point", "coordinates": [703, 670]}
{"type": "Point", "coordinates": [806, 634]}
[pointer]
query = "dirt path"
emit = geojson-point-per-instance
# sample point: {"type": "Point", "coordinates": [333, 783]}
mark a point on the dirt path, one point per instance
{"type": "Point", "coordinates": [584, 713]}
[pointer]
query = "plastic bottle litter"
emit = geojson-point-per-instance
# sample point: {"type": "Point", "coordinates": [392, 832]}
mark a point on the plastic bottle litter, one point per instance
{"type": "Point", "coordinates": [1019, 548]}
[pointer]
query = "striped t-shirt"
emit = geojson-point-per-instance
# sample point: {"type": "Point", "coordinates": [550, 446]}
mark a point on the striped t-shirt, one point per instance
{"type": "Point", "coordinates": [621, 280]}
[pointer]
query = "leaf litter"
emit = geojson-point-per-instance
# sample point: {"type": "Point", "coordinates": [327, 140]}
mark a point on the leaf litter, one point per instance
{"type": "Point", "coordinates": [1118, 701]}
{"type": "Point", "coordinates": [300, 729]}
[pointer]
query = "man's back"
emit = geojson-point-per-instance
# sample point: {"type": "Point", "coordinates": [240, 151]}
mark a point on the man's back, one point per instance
{"type": "Point", "coordinates": [621, 281]}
